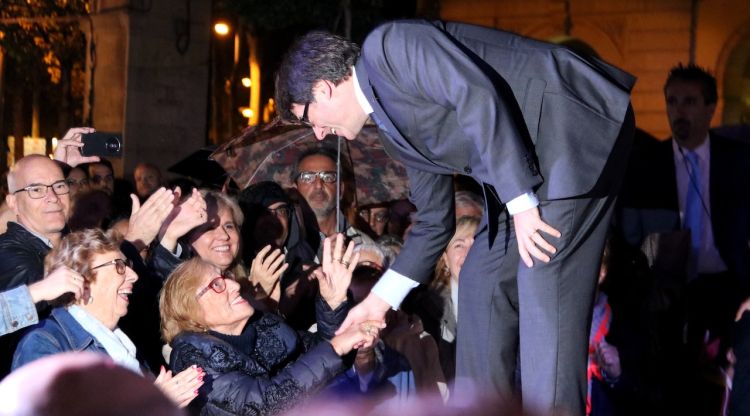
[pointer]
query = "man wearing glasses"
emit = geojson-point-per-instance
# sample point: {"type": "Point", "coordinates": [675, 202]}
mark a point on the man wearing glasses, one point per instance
{"type": "Point", "coordinates": [315, 178]}
{"type": "Point", "coordinates": [39, 198]}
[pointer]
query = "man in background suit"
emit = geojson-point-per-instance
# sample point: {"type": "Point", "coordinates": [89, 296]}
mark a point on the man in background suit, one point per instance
{"type": "Point", "coordinates": [545, 131]}
{"type": "Point", "coordinates": [695, 181]}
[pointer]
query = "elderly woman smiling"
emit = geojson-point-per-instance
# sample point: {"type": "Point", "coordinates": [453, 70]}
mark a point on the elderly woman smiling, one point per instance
{"type": "Point", "coordinates": [254, 362]}
{"type": "Point", "coordinates": [90, 323]}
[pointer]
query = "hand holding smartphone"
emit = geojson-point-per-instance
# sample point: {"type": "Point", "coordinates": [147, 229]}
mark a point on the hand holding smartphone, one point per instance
{"type": "Point", "coordinates": [101, 143]}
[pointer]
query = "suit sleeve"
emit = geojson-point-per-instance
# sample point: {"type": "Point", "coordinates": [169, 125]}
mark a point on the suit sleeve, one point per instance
{"type": "Point", "coordinates": [433, 227]}
{"type": "Point", "coordinates": [432, 69]}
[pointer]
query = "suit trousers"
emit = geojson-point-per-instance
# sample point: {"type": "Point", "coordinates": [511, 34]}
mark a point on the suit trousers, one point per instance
{"type": "Point", "coordinates": [545, 310]}
{"type": "Point", "coordinates": [538, 317]}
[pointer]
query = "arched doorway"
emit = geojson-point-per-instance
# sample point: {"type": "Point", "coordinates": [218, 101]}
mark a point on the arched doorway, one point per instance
{"type": "Point", "coordinates": [736, 82]}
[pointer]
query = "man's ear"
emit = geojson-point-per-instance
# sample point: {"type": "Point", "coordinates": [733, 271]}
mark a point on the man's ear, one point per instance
{"type": "Point", "coordinates": [10, 199]}
{"type": "Point", "coordinates": [322, 89]}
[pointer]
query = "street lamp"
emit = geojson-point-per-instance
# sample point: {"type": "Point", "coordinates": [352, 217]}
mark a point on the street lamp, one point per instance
{"type": "Point", "coordinates": [221, 28]}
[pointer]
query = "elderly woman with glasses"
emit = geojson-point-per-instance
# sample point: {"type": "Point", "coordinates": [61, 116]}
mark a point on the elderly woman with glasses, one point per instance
{"type": "Point", "coordinates": [254, 362]}
{"type": "Point", "coordinates": [90, 323]}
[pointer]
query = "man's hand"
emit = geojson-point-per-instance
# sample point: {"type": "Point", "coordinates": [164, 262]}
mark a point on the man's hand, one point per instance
{"type": "Point", "coordinates": [528, 225]}
{"type": "Point", "coordinates": [146, 219]}
{"type": "Point", "coordinates": [371, 309]}
{"type": "Point", "coordinates": [609, 359]}
{"type": "Point", "coordinates": [60, 281]}
{"type": "Point", "coordinates": [69, 148]}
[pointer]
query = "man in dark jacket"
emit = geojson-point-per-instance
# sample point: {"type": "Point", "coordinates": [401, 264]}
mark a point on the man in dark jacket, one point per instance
{"type": "Point", "coordinates": [40, 200]}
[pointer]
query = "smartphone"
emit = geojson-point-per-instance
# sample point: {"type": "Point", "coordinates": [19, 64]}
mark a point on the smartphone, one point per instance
{"type": "Point", "coordinates": [100, 143]}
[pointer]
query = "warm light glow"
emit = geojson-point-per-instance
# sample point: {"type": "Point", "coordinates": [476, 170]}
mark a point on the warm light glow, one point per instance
{"type": "Point", "coordinates": [247, 82]}
{"type": "Point", "coordinates": [221, 28]}
{"type": "Point", "coordinates": [247, 112]}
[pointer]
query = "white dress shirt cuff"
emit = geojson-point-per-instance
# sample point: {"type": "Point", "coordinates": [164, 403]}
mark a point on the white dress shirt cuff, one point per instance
{"type": "Point", "coordinates": [393, 288]}
{"type": "Point", "coordinates": [522, 203]}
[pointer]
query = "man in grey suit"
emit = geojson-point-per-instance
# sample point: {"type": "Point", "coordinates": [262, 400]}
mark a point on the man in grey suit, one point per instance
{"type": "Point", "coordinates": [544, 131]}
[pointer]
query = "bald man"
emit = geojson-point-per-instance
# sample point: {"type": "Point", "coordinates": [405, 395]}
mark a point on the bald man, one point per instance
{"type": "Point", "coordinates": [39, 199]}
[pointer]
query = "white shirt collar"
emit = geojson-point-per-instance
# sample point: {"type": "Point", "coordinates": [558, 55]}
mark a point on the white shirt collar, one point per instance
{"type": "Point", "coordinates": [361, 99]}
{"type": "Point", "coordinates": [703, 151]}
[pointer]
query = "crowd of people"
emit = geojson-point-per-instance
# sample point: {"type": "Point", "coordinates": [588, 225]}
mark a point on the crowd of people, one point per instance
{"type": "Point", "coordinates": [251, 301]}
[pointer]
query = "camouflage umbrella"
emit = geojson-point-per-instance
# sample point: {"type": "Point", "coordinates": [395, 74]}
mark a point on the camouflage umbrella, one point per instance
{"type": "Point", "coordinates": [269, 153]}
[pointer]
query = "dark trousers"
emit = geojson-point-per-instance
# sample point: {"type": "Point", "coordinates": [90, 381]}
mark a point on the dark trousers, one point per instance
{"type": "Point", "coordinates": [544, 310]}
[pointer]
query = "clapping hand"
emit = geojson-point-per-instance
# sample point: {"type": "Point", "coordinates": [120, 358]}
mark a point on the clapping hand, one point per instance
{"type": "Point", "coordinates": [181, 388]}
{"type": "Point", "coordinates": [266, 270]}
{"type": "Point", "coordinates": [146, 220]}
{"type": "Point", "coordinates": [183, 218]}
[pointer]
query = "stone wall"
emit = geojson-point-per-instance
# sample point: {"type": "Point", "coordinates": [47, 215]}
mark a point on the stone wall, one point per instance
{"type": "Point", "coordinates": [147, 85]}
{"type": "Point", "coordinates": [644, 37]}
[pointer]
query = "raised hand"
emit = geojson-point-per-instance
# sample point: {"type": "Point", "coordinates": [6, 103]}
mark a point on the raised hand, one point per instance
{"type": "Point", "coordinates": [146, 220]}
{"type": "Point", "coordinates": [336, 271]}
{"type": "Point", "coordinates": [266, 270]}
{"type": "Point", "coordinates": [60, 281]}
{"type": "Point", "coordinates": [181, 388]}
{"type": "Point", "coordinates": [69, 148]}
{"type": "Point", "coordinates": [183, 218]}
{"type": "Point", "coordinates": [528, 225]}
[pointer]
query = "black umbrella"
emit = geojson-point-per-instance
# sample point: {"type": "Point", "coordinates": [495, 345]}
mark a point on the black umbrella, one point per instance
{"type": "Point", "coordinates": [200, 167]}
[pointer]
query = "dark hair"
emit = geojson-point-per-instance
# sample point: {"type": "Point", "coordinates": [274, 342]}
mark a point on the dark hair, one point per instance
{"type": "Point", "coordinates": [314, 57]}
{"type": "Point", "coordinates": [694, 73]}
{"type": "Point", "coordinates": [102, 161]}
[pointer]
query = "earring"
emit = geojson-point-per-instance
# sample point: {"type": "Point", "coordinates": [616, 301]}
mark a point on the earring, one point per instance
{"type": "Point", "coordinates": [90, 300]}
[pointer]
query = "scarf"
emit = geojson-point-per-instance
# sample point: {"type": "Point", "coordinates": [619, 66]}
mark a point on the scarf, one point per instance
{"type": "Point", "coordinates": [119, 347]}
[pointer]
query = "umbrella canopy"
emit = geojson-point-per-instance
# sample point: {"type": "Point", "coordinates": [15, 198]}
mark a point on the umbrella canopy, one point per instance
{"type": "Point", "coordinates": [199, 166]}
{"type": "Point", "coordinates": [270, 153]}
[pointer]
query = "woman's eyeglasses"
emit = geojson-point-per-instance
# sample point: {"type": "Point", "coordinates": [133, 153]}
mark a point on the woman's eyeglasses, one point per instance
{"type": "Point", "coordinates": [218, 285]}
{"type": "Point", "coordinates": [120, 265]}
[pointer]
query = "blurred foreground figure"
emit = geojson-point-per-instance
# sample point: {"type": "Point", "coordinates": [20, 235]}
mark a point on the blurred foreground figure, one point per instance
{"type": "Point", "coordinates": [80, 384]}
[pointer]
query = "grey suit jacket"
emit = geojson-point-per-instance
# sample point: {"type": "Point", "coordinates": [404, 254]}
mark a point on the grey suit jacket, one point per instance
{"type": "Point", "coordinates": [514, 113]}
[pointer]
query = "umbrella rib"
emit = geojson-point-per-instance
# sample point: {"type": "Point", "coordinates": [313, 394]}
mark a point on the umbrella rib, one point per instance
{"type": "Point", "coordinates": [291, 142]}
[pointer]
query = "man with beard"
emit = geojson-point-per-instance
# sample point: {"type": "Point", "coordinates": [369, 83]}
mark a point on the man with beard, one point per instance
{"type": "Point", "coordinates": [690, 182]}
{"type": "Point", "coordinates": [315, 178]}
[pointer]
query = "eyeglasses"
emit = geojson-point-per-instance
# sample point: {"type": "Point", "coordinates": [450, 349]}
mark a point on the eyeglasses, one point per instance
{"type": "Point", "coordinates": [100, 179]}
{"type": "Point", "coordinates": [38, 190]}
{"type": "Point", "coordinates": [304, 120]}
{"type": "Point", "coordinates": [120, 265]}
{"type": "Point", "coordinates": [281, 211]}
{"type": "Point", "coordinates": [380, 217]}
{"type": "Point", "coordinates": [81, 182]}
{"type": "Point", "coordinates": [218, 285]}
{"type": "Point", "coordinates": [309, 177]}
